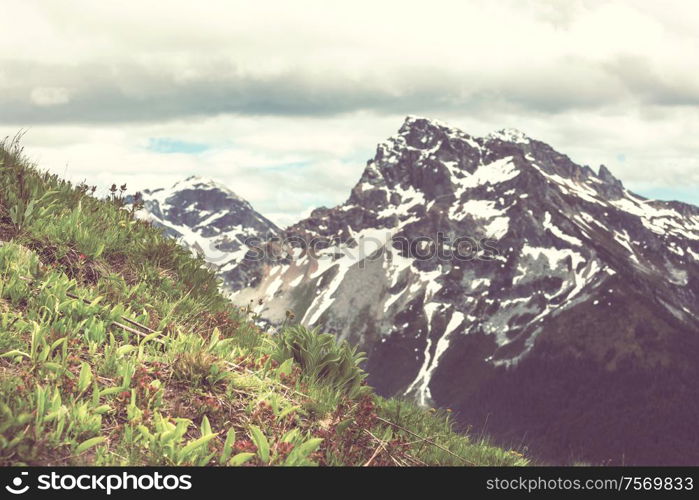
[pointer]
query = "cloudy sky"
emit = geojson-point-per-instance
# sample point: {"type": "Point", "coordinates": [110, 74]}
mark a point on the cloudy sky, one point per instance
{"type": "Point", "coordinates": [285, 101]}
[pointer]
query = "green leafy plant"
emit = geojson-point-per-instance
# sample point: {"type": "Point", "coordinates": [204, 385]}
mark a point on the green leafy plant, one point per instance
{"type": "Point", "coordinates": [25, 212]}
{"type": "Point", "coordinates": [293, 449]}
{"type": "Point", "coordinates": [322, 358]}
{"type": "Point", "coordinates": [198, 368]}
{"type": "Point", "coordinates": [166, 441]}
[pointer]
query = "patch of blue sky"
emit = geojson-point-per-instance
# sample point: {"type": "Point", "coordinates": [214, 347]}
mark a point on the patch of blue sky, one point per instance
{"type": "Point", "coordinates": [168, 145]}
{"type": "Point", "coordinates": [685, 194]}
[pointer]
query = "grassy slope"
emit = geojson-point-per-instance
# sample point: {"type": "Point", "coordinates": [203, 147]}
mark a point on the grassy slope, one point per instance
{"type": "Point", "coordinates": [79, 384]}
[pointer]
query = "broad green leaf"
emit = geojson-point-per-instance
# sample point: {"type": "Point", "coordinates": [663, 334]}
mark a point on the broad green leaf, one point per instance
{"type": "Point", "coordinates": [228, 446]}
{"type": "Point", "coordinates": [110, 391]}
{"type": "Point", "coordinates": [55, 414]}
{"type": "Point", "coordinates": [149, 337]}
{"type": "Point", "coordinates": [196, 444]}
{"type": "Point", "coordinates": [287, 411]}
{"type": "Point", "coordinates": [95, 393]}
{"type": "Point", "coordinates": [98, 251]}
{"type": "Point", "coordinates": [86, 445]}
{"type": "Point", "coordinates": [96, 301]}
{"type": "Point", "coordinates": [126, 349]}
{"type": "Point", "coordinates": [205, 426]}
{"type": "Point", "coordinates": [85, 378]}
{"type": "Point", "coordinates": [240, 459]}
{"type": "Point", "coordinates": [23, 418]}
{"type": "Point", "coordinates": [308, 447]}
{"type": "Point", "coordinates": [286, 367]}
{"type": "Point", "coordinates": [343, 425]}
{"type": "Point", "coordinates": [215, 337]}
{"type": "Point", "coordinates": [57, 343]}
{"type": "Point", "coordinates": [261, 442]}
{"type": "Point", "coordinates": [13, 353]}
{"type": "Point", "coordinates": [300, 454]}
{"type": "Point", "coordinates": [57, 368]}
{"type": "Point", "coordinates": [290, 436]}
{"type": "Point", "coordinates": [102, 409]}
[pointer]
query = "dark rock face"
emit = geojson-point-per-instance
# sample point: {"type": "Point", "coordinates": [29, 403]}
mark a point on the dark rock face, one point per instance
{"type": "Point", "coordinates": [495, 276]}
{"type": "Point", "coordinates": [211, 220]}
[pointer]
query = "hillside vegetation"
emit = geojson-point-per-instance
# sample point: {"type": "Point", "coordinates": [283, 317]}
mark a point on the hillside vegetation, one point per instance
{"type": "Point", "coordinates": [116, 348]}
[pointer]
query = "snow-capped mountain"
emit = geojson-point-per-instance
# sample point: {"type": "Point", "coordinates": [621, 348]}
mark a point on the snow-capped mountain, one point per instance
{"type": "Point", "coordinates": [211, 220]}
{"type": "Point", "coordinates": [569, 318]}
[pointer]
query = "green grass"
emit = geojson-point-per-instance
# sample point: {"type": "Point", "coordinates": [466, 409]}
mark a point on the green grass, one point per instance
{"type": "Point", "coordinates": [116, 348]}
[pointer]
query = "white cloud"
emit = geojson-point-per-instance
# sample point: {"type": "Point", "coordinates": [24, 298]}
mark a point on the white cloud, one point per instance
{"type": "Point", "coordinates": [49, 96]}
{"type": "Point", "coordinates": [314, 85]}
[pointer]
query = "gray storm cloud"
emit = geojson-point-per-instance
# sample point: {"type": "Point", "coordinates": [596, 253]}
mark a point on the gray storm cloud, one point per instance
{"type": "Point", "coordinates": [95, 92]}
{"type": "Point", "coordinates": [269, 86]}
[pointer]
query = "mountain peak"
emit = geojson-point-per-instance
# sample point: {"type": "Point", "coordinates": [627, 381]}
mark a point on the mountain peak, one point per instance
{"type": "Point", "coordinates": [440, 160]}
{"type": "Point", "coordinates": [422, 121]}
{"type": "Point", "coordinates": [509, 135]}
{"type": "Point", "coordinates": [208, 218]}
{"type": "Point", "coordinates": [606, 175]}
{"type": "Point", "coordinates": [197, 182]}
{"type": "Point", "coordinates": [422, 124]}
{"type": "Point", "coordinates": [421, 129]}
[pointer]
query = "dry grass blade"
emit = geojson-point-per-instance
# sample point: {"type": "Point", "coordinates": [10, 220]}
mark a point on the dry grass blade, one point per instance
{"type": "Point", "coordinates": [382, 446]}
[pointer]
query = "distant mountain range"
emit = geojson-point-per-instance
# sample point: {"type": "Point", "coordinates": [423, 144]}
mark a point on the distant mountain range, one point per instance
{"type": "Point", "coordinates": [540, 300]}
